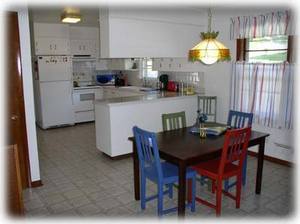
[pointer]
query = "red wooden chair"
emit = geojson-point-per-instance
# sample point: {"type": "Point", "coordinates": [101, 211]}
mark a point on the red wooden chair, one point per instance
{"type": "Point", "coordinates": [228, 165]}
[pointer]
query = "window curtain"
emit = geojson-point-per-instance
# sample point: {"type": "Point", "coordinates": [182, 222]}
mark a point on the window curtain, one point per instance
{"type": "Point", "coordinates": [271, 24]}
{"type": "Point", "coordinates": [266, 90]}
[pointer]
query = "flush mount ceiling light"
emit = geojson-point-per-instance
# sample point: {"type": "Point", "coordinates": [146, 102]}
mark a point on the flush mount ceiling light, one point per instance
{"type": "Point", "coordinates": [209, 50]}
{"type": "Point", "coordinates": [70, 18]}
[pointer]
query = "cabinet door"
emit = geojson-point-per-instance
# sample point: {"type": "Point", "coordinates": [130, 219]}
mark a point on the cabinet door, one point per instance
{"type": "Point", "coordinates": [75, 47]}
{"type": "Point", "coordinates": [51, 46]}
{"type": "Point", "coordinates": [99, 94]}
{"type": "Point", "coordinates": [51, 30]}
{"type": "Point", "coordinates": [156, 64]}
{"type": "Point", "coordinates": [83, 47]}
{"type": "Point", "coordinates": [91, 48]}
{"type": "Point", "coordinates": [44, 46]}
{"type": "Point", "coordinates": [61, 46]}
{"type": "Point", "coordinates": [165, 64]}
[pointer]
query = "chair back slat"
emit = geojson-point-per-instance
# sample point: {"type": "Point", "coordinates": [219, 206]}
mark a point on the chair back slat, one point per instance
{"type": "Point", "coordinates": [208, 106]}
{"type": "Point", "coordinates": [147, 150]}
{"type": "Point", "coordinates": [235, 147]}
{"type": "Point", "coordinates": [173, 121]}
{"type": "Point", "coordinates": [237, 119]}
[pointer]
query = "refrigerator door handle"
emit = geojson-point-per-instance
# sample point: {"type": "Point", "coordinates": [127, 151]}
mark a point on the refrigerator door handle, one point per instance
{"type": "Point", "coordinates": [71, 92]}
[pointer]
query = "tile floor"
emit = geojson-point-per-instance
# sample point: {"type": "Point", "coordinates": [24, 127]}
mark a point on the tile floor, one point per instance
{"type": "Point", "coordinates": [79, 181]}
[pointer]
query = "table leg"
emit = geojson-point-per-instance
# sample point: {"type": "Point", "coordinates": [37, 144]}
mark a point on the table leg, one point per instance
{"type": "Point", "coordinates": [260, 163]}
{"type": "Point", "coordinates": [136, 173]}
{"type": "Point", "coordinates": [181, 190]}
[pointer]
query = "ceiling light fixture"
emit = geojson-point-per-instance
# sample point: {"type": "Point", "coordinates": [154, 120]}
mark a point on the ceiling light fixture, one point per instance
{"type": "Point", "coordinates": [70, 18]}
{"type": "Point", "coordinates": [209, 50]}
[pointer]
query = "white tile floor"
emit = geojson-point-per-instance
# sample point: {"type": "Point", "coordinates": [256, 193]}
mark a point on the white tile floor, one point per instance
{"type": "Point", "coordinates": [79, 181]}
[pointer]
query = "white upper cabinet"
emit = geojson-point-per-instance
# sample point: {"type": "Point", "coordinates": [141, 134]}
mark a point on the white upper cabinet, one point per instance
{"type": "Point", "coordinates": [52, 46]}
{"type": "Point", "coordinates": [84, 47]}
{"type": "Point", "coordinates": [123, 64]}
{"type": "Point", "coordinates": [51, 30]}
{"type": "Point", "coordinates": [149, 32]}
{"type": "Point", "coordinates": [84, 41]}
{"type": "Point", "coordinates": [51, 39]}
{"type": "Point", "coordinates": [176, 65]}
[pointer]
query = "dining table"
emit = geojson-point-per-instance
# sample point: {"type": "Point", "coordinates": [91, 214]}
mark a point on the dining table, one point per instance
{"type": "Point", "coordinates": [184, 149]}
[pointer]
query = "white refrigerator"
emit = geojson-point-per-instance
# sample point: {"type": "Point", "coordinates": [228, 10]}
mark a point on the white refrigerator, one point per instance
{"type": "Point", "coordinates": [53, 89]}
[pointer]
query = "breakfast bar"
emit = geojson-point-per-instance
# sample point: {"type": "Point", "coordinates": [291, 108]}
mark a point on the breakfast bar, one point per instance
{"type": "Point", "coordinates": [115, 117]}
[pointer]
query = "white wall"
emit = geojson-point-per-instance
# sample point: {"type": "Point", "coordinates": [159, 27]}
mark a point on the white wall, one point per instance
{"type": "Point", "coordinates": [28, 93]}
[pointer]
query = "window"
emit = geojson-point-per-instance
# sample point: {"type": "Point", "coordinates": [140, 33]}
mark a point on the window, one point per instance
{"type": "Point", "coordinates": [275, 49]}
{"type": "Point", "coordinates": [147, 69]}
{"type": "Point", "coordinates": [266, 90]}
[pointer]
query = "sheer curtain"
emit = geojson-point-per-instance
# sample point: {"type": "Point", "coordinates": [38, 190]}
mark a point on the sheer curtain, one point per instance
{"type": "Point", "coordinates": [270, 24]}
{"type": "Point", "coordinates": [266, 90]}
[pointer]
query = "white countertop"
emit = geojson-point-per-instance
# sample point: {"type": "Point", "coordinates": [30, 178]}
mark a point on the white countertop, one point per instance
{"type": "Point", "coordinates": [147, 97]}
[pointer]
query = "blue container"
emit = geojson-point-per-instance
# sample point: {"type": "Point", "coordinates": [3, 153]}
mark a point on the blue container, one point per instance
{"type": "Point", "coordinates": [104, 78]}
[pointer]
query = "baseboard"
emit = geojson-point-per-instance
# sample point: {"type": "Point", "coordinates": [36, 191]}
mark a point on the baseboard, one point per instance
{"type": "Point", "coordinates": [37, 183]}
{"type": "Point", "coordinates": [119, 157]}
{"type": "Point", "coordinates": [272, 159]}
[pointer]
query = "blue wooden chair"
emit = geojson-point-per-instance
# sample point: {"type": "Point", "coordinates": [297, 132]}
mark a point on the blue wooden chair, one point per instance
{"type": "Point", "coordinates": [161, 173]}
{"type": "Point", "coordinates": [237, 119]}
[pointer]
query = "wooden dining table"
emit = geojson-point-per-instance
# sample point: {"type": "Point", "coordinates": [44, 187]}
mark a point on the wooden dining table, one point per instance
{"type": "Point", "coordinates": [185, 149]}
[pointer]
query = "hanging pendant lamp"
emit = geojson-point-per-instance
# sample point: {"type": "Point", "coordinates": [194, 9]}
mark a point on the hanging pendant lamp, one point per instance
{"type": "Point", "coordinates": [209, 50]}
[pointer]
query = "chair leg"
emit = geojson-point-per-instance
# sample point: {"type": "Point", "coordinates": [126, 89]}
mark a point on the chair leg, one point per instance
{"type": "Point", "coordinates": [213, 186]}
{"type": "Point", "coordinates": [226, 185]}
{"type": "Point", "coordinates": [170, 191]}
{"type": "Point", "coordinates": [219, 198]}
{"type": "Point", "coordinates": [160, 200]}
{"type": "Point", "coordinates": [244, 171]}
{"type": "Point", "coordinates": [238, 191]}
{"type": "Point", "coordinates": [190, 190]}
{"type": "Point", "coordinates": [143, 191]}
{"type": "Point", "coordinates": [193, 207]}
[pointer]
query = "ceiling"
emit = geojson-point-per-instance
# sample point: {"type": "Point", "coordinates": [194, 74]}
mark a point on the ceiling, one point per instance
{"type": "Point", "coordinates": [90, 15]}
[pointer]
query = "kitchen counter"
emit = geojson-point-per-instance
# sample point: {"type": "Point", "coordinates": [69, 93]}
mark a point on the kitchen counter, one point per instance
{"type": "Point", "coordinates": [87, 87]}
{"type": "Point", "coordinates": [115, 117]}
{"type": "Point", "coordinates": [147, 96]}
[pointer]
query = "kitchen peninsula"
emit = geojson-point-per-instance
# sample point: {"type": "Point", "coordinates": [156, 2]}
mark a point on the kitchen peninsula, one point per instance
{"type": "Point", "coordinates": [115, 117]}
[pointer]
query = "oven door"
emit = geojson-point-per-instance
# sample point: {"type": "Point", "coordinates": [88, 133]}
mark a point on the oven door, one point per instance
{"type": "Point", "coordinates": [83, 100]}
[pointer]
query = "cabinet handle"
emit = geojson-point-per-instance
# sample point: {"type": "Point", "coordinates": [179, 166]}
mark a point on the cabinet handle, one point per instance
{"type": "Point", "coordinates": [50, 46]}
{"type": "Point", "coordinates": [80, 47]}
{"type": "Point", "coordinates": [55, 47]}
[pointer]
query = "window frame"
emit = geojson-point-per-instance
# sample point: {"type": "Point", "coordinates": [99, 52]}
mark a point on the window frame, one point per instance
{"type": "Point", "coordinates": [241, 49]}
{"type": "Point", "coordinates": [145, 69]}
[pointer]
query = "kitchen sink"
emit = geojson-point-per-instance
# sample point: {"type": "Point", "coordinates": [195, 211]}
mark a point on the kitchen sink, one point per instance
{"type": "Point", "coordinates": [145, 89]}
{"type": "Point", "coordinates": [138, 88]}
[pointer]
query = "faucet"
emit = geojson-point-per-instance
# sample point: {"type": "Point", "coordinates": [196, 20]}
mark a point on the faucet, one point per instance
{"type": "Point", "coordinates": [145, 82]}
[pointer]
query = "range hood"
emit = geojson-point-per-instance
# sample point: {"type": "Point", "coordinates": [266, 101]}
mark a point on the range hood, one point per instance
{"type": "Point", "coordinates": [83, 58]}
